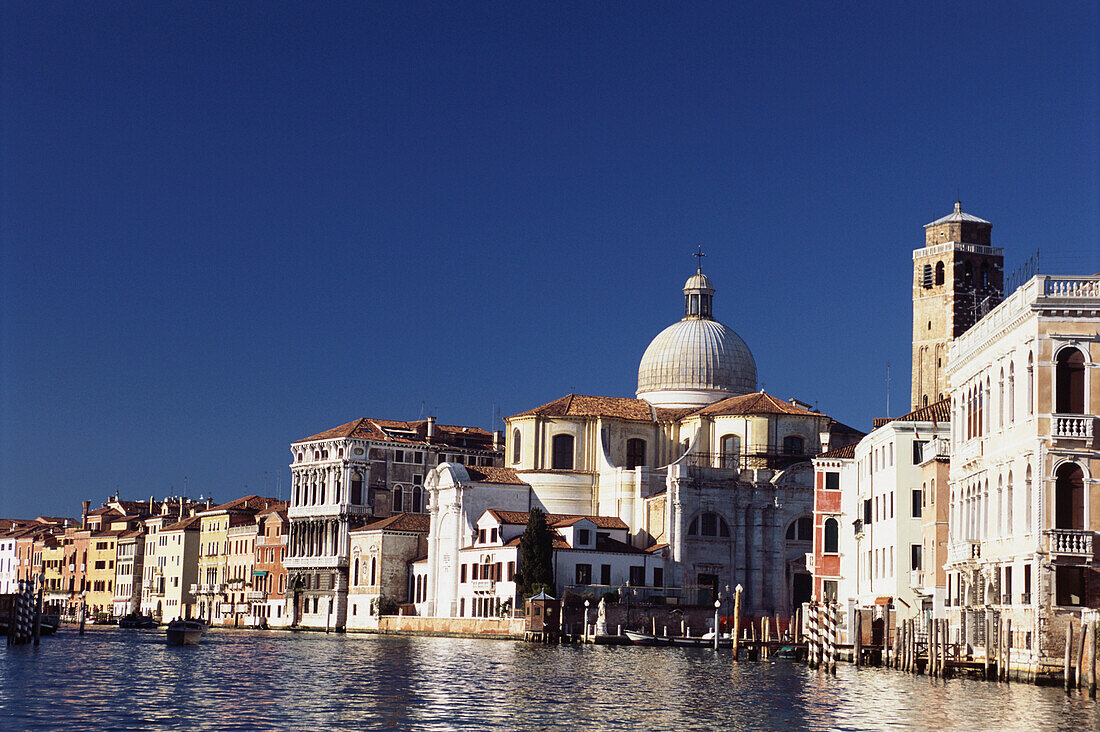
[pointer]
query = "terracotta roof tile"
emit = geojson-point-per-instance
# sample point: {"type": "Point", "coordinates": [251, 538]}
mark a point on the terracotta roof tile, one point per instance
{"type": "Point", "coordinates": [418, 522]}
{"type": "Point", "coordinates": [385, 430]}
{"type": "Point", "coordinates": [188, 523]}
{"type": "Point", "coordinates": [519, 518]}
{"type": "Point", "coordinates": [487, 474]}
{"type": "Point", "coordinates": [580, 405]}
{"type": "Point", "coordinates": [847, 451]}
{"type": "Point", "coordinates": [937, 412]}
{"type": "Point", "coordinates": [755, 403]}
{"type": "Point", "coordinates": [251, 504]}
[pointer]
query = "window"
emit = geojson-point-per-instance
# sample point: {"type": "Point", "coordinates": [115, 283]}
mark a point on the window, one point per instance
{"type": "Point", "coordinates": [583, 538]}
{"type": "Point", "coordinates": [637, 576]}
{"type": "Point", "coordinates": [867, 511]}
{"type": "Point", "coordinates": [517, 445]}
{"type": "Point", "coordinates": [792, 445]}
{"type": "Point", "coordinates": [1030, 384]}
{"type": "Point", "coordinates": [939, 273]}
{"type": "Point", "coordinates": [635, 453]}
{"type": "Point", "coordinates": [801, 529]}
{"type": "Point", "coordinates": [730, 446]}
{"type": "Point", "coordinates": [373, 570]}
{"type": "Point", "coordinates": [926, 276]}
{"type": "Point", "coordinates": [918, 451]}
{"type": "Point", "coordinates": [356, 489]}
{"type": "Point", "coordinates": [462, 573]}
{"type": "Point", "coordinates": [481, 536]}
{"type": "Point", "coordinates": [1069, 380]}
{"type": "Point", "coordinates": [399, 456]}
{"type": "Point", "coordinates": [562, 452]}
{"type": "Point", "coordinates": [915, 557]}
{"type": "Point", "coordinates": [968, 275]}
{"type": "Point", "coordinates": [832, 481]}
{"type": "Point", "coordinates": [605, 574]}
{"type": "Point", "coordinates": [1069, 498]}
{"type": "Point", "coordinates": [658, 577]}
{"type": "Point", "coordinates": [493, 535]}
{"type": "Point", "coordinates": [709, 524]}
{"type": "Point", "coordinates": [584, 574]}
{"type": "Point", "coordinates": [917, 501]}
{"type": "Point", "coordinates": [355, 575]}
{"type": "Point", "coordinates": [511, 571]}
{"type": "Point", "coordinates": [832, 536]}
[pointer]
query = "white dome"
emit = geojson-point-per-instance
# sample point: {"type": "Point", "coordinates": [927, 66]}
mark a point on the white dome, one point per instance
{"type": "Point", "coordinates": [698, 360]}
{"type": "Point", "coordinates": [699, 356]}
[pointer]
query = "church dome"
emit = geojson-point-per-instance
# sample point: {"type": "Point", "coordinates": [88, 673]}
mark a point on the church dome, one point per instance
{"type": "Point", "coordinates": [696, 361]}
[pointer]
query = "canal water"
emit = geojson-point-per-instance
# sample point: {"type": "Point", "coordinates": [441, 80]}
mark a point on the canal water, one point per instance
{"type": "Point", "coordinates": [112, 679]}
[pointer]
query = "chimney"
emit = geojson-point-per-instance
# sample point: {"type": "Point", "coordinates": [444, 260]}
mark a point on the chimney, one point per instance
{"type": "Point", "coordinates": [181, 508]}
{"type": "Point", "coordinates": [85, 505]}
{"type": "Point", "coordinates": [431, 428]}
{"type": "Point", "coordinates": [498, 438]}
{"type": "Point", "coordinates": [150, 505]}
{"type": "Point", "coordinates": [209, 503]}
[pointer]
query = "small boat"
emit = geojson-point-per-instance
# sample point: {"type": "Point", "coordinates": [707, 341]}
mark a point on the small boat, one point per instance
{"type": "Point", "coordinates": [185, 632]}
{"type": "Point", "coordinates": [133, 620]}
{"type": "Point", "coordinates": [645, 639]}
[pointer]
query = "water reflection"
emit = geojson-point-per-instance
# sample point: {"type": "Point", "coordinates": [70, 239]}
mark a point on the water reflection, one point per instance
{"type": "Point", "coordinates": [122, 680]}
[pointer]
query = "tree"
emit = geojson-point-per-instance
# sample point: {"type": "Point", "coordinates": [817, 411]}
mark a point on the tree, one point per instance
{"type": "Point", "coordinates": [536, 556]}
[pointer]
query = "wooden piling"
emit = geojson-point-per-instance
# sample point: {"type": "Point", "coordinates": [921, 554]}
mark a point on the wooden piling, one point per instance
{"type": "Point", "coordinates": [1069, 652]}
{"type": "Point", "coordinates": [1081, 657]}
{"type": "Point", "coordinates": [1008, 649]}
{"type": "Point", "coordinates": [736, 623]}
{"type": "Point", "coordinates": [857, 638]}
{"type": "Point", "coordinates": [1092, 661]}
{"type": "Point", "coordinates": [988, 647]}
{"type": "Point", "coordinates": [835, 612]}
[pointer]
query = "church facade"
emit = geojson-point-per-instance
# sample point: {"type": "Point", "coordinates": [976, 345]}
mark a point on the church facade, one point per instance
{"type": "Point", "coordinates": [711, 477]}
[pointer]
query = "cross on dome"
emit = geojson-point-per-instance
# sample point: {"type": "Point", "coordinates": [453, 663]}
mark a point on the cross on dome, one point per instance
{"type": "Point", "coordinates": [699, 259]}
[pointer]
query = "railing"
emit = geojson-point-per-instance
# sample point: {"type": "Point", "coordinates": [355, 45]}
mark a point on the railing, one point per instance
{"type": "Point", "coordinates": [938, 447]}
{"type": "Point", "coordinates": [654, 595]}
{"type": "Point", "coordinates": [970, 451]}
{"type": "Point", "coordinates": [1074, 542]}
{"type": "Point", "coordinates": [1025, 598]}
{"type": "Point", "coordinates": [256, 596]}
{"type": "Point", "coordinates": [761, 459]}
{"type": "Point", "coordinates": [1072, 426]}
{"type": "Point", "coordinates": [1071, 287]}
{"type": "Point", "coordinates": [483, 585]}
{"type": "Point", "coordinates": [811, 564]}
{"type": "Point", "coordinates": [916, 578]}
{"type": "Point", "coordinates": [963, 551]}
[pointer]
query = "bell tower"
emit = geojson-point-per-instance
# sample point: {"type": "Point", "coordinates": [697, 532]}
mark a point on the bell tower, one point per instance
{"type": "Point", "coordinates": [958, 276]}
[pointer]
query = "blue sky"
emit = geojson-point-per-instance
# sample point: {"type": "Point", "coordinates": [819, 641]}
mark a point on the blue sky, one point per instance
{"type": "Point", "coordinates": [226, 226]}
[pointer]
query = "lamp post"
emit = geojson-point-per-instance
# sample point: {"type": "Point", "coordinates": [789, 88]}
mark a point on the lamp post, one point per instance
{"type": "Point", "coordinates": [41, 582]}
{"type": "Point", "coordinates": [83, 609]}
{"type": "Point", "coordinates": [584, 635]}
{"type": "Point", "coordinates": [736, 620]}
{"type": "Point", "coordinates": [717, 604]}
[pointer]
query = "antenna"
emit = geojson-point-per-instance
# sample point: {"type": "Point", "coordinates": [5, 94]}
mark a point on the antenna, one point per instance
{"type": "Point", "coordinates": [887, 388]}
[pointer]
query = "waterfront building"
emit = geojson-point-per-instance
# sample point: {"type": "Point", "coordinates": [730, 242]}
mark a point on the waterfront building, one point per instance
{"type": "Point", "coordinates": [347, 476]}
{"type": "Point", "coordinates": [935, 524]}
{"type": "Point", "coordinates": [219, 591]}
{"type": "Point", "coordinates": [9, 558]}
{"type": "Point", "coordinates": [179, 550]}
{"type": "Point", "coordinates": [382, 554]}
{"type": "Point", "coordinates": [268, 595]}
{"type": "Point", "coordinates": [129, 571]}
{"type": "Point", "coordinates": [1025, 466]}
{"type": "Point", "coordinates": [155, 589]}
{"type": "Point", "coordinates": [868, 517]}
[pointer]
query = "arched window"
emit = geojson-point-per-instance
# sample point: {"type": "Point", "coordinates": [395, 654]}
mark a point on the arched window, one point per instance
{"type": "Point", "coordinates": [968, 275]}
{"type": "Point", "coordinates": [1000, 505]}
{"type": "Point", "coordinates": [1027, 501]}
{"type": "Point", "coordinates": [356, 489]}
{"type": "Point", "coordinates": [417, 499]}
{"type": "Point", "coordinates": [1030, 384]}
{"type": "Point", "coordinates": [939, 273]}
{"type": "Point", "coordinates": [373, 571]}
{"type": "Point", "coordinates": [1011, 392]}
{"type": "Point", "coordinates": [635, 453]}
{"type": "Point", "coordinates": [801, 529]}
{"type": "Point", "coordinates": [985, 274]}
{"type": "Point", "coordinates": [1069, 497]}
{"type": "Point", "coordinates": [562, 458]}
{"type": "Point", "coordinates": [1001, 399]}
{"type": "Point", "coordinates": [355, 575]}
{"type": "Point", "coordinates": [832, 536]}
{"type": "Point", "coordinates": [398, 496]}
{"type": "Point", "coordinates": [793, 445]}
{"type": "Point", "coordinates": [1009, 528]}
{"type": "Point", "coordinates": [709, 524]}
{"type": "Point", "coordinates": [926, 276]}
{"type": "Point", "coordinates": [517, 445]}
{"type": "Point", "coordinates": [730, 446]}
{"type": "Point", "coordinates": [1069, 381]}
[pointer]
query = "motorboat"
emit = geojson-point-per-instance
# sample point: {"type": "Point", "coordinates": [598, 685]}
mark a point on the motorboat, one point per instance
{"type": "Point", "coordinates": [133, 620]}
{"type": "Point", "coordinates": [184, 632]}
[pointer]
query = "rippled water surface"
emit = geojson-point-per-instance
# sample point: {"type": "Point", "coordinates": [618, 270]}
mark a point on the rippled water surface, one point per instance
{"type": "Point", "coordinates": [113, 679]}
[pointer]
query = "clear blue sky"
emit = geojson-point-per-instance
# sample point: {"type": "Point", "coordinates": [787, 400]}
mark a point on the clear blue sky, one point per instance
{"type": "Point", "coordinates": [226, 226]}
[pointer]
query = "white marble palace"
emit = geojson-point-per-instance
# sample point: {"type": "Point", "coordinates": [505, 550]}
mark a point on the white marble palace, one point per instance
{"type": "Point", "coordinates": [711, 477]}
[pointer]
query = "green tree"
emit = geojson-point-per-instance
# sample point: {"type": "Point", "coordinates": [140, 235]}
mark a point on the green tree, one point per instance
{"type": "Point", "coordinates": [536, 556]}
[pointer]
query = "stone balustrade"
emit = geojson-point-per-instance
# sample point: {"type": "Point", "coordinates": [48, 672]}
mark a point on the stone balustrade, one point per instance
{"type": "Point", "coordinates": [1073, 542]}
{"type": "Point", "coordinates": [963, 551]}
{"type": "Point", "coordinates": [1072, 426]}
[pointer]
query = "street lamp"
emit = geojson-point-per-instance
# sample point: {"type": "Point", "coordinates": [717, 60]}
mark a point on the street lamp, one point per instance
{"type": "Point", "coordinates": [584, 635]}
{"type": "Point", "coordinates": [717, 604]}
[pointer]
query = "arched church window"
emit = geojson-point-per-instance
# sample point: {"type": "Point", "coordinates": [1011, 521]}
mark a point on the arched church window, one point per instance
{"type": "Point", "coordinates": [562, 458]}
{"type": "Point", "coordinates": [373, 570]}
{"type": "Point", "coordinates": [517, 445]}
{"type": "Point", "coordinates": [709, 524]}
{"type": "Point", "coordinates": [985, 275]}
{"type": "Point", "coordinates": [939, 273]}
{"type": "Point", "coordinates": [398, 502]}
{"type": "Point", "coordinates": [801, 529]}
{"type": "Point", "coordinates": [1069, 381]}
{"type": "Point", "coordinates": [417, 499]}
{"type": "Point", "coordinates": [968, 274]}
{"type": "Point", "coordinates": [355, 575]}
{"type": "Point", "coordinates": [793, 445]}
{"type": "Point", "coordinates": [730, 446]}
{"type": "Point", "coordinates": [635, 453]}
{"type": "Point", "coordinates": [832, 536]}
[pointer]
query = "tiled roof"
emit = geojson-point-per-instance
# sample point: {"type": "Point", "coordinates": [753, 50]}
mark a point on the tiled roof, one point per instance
{"type": "Point", "coordinates": [848, 451]}
{"type": "Point", "coordinates": [418, 522]}
{"type": "Point", "coordinates": [248, 503]}
{"type": "Point", "coordinates": [755, 403]}
{"type": "Point", "coordinates": [519, 518]}
{"type": "Point", "coordinates": [130, 534]}
{"type": "Point", "coordinates": [957, 215]}
{"type": "Point", "coordinates": [376, 429]}
{"type": "Point", "coordinates": [279, 510]}
{"type": "Point", "coordinates": [188, 523]}
{"type": "Point", "coordinates": [487, 474]}
{"type": "Point", "coordinates": [937, 412]}
{"type": "Point", "coordinates": [580, 405]}
{"type": "Point", "coordinates": [603, 544]}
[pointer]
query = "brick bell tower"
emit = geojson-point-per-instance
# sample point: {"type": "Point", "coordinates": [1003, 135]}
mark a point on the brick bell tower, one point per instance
{"type": "Point", "coordinates": [957, 278]}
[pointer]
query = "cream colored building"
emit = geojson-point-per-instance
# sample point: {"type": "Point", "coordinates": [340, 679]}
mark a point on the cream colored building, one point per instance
{"type": "Point", "coordinates": [381, 555]}
{"type": "Point", "coordinates": [178, 547]}
{"type": "Point", "coordinates": [1025, 465]}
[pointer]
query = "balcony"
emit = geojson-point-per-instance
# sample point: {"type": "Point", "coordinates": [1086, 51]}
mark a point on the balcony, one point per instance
{"type": "Point", "coordinates": [483, 585]}
{"type": "Point", "coordinates": [256, 596]}
{"type": "Point", "coordinates": [970, 451]}
{"type": "Point", "coordinates": [963, 551]}
{"type": "Point", "coordinates": [810, 563]}
{"type": "Point", "coordinates": [940, 447]}
{"type": "Point", "coordinates": [1070, 543]}
{"type": "Point", "coordinates": [916, 579]}
{"type": "Point", "coordinates": [1073, 427]}
{"type": "Point", "coordinates": [193, 589]}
